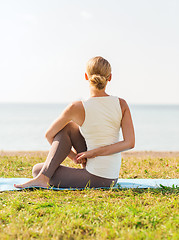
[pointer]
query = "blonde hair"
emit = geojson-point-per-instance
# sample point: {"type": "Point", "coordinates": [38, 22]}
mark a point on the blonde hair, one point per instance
{"type": "Point", "coordinates": [99, 71]}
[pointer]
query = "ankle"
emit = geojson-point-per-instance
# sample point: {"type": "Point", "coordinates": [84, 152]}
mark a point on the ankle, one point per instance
{"type": "Point", "coordinates": [43, 177]}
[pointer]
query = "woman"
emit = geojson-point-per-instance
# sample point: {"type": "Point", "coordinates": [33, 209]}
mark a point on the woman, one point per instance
{"type": "Point", "coordinates": [91, 127]}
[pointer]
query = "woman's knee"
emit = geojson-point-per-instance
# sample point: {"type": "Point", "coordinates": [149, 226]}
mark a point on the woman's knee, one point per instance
{"type": "Point", "coordinates": [36, 169]}
{"type": "Point", "coordinates": [70, 127]}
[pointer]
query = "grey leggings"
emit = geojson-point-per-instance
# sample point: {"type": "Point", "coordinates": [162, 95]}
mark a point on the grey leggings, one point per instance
{"type": "Point", "coordinates": [66, 177]}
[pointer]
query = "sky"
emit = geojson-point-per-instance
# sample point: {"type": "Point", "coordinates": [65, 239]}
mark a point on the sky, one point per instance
{"type": "Point", "coordinates": [44, 47]}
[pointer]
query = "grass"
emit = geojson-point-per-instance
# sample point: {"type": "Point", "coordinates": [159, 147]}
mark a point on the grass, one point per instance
{"type": "Point", "coordinates": [91, 214]}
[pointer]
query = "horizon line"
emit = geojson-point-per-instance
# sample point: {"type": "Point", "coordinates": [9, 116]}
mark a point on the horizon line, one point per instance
{"type": "Point", "coordinates": [129, 103]}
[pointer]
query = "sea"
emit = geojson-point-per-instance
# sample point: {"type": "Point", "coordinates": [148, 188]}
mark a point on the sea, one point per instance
{"type": "Point", "coordinates": [23, 126]}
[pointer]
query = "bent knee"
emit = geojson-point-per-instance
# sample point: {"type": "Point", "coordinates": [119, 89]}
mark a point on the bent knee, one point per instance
{"type": "Point", "coordinates": [67, 129]}
{"type": "Point", "coordinates": [36, 169]}
{"type": "Point", "coordinates": [71, 125]}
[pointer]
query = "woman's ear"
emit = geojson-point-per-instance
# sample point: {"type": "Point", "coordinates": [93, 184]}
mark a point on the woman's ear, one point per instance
{"type": "Point", "coordinates": [86, 76]}
{"type": "Point", "coordinates": [109, 79]}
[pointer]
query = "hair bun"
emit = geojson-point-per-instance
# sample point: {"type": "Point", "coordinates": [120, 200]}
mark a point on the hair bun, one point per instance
{"type": "Point", "coordinates": [99, 71]}
{"type": "Point", "coordinates": [98, 81]}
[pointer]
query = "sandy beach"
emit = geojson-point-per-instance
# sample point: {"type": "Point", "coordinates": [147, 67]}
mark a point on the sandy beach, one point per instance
{"type": "Point", "coordinates": [138, 154]}
{"type": "Point", "coordinates": [150, 154]}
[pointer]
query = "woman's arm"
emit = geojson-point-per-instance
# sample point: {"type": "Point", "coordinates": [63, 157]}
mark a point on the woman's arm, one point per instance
{"type": "Point", "coordinates": [73, 112]}
{"type": "Point", "coordinates": [128, 137]}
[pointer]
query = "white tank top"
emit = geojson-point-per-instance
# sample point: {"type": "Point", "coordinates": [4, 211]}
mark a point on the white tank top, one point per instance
{"type": "Point", "coordinates": [101, 127]}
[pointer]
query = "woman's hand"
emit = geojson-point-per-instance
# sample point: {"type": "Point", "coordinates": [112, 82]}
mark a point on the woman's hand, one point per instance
{"type": "Point", "coordinates": [82, 157]}
{"type": "Point", "coordinates": [81, 161]}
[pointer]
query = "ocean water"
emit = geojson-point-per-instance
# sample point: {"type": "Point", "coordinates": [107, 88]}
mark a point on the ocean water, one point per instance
{"type": "Point", "coordinates": [23, 126]}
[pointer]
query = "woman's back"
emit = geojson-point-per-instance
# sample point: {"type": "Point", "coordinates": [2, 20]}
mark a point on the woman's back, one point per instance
{"type": "Point", "coordinates": [100, 128]}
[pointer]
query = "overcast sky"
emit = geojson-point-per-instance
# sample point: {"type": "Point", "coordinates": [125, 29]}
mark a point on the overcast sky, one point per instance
{"type": "Point", "coordinates": [44, 47]}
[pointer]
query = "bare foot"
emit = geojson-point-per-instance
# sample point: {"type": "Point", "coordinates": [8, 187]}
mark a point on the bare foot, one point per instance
{"type": "Point", "coordinates": [39, 181]}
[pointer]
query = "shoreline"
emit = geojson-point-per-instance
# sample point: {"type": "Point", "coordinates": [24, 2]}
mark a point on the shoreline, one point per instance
{"type": "Point", "coordinates": [123, 154]}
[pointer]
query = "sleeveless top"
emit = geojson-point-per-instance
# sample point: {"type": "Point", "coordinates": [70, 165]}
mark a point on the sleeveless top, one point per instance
{"type": "Point", "coordinates": [101, 127]}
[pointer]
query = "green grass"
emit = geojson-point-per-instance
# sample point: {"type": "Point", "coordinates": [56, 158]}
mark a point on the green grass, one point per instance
{"type": "Point", "coordinates": [91, 214]}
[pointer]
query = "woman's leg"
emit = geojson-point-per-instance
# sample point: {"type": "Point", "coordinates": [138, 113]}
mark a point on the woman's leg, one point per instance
{"type": "Point", "coordinates": [52, 173]}
{"type": "Point", "coordinates": [64, 140]}
{"type": "Point", "coordinates": [69, 136]}
{"type": "Point", "coordinates": [66, 177]}
{"type": "Point", "coordinates": [36, 169]}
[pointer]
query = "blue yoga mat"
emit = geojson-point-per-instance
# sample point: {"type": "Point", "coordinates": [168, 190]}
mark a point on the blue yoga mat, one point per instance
{"type": "Point", "coordinates": [7, 184]}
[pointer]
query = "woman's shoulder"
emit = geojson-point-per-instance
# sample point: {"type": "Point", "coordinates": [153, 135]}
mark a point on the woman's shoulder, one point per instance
{"type": "Point", "coordinates": [77, 111]}
{"type": "Point", "coordinates": [76, 106]}
{"type": "Point", "coordinates": [123, 104]}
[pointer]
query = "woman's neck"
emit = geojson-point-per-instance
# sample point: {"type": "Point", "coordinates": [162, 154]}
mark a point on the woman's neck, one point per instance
{"type": "Point", "coordinates": [97, 93]}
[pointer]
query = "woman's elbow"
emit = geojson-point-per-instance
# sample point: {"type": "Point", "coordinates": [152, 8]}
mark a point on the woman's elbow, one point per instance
{"type": "Point", "coordinates": [131, 144]}
{"type": "Point", "coordinates": [47, 135]}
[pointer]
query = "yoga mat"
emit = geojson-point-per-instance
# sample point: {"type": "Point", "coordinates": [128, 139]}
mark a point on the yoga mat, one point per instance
{"type": "Point", "coordinates": [6, 184]}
